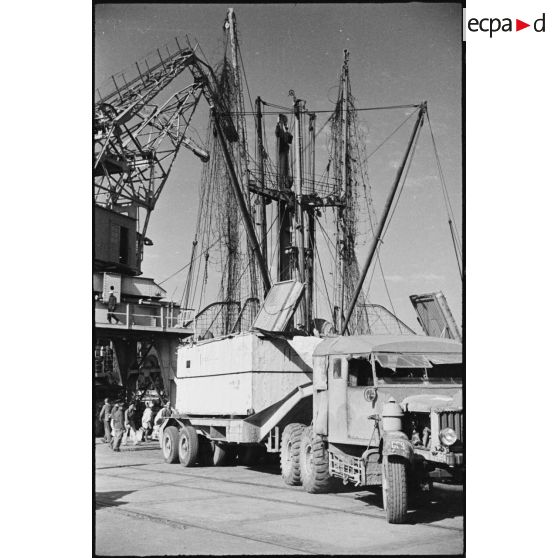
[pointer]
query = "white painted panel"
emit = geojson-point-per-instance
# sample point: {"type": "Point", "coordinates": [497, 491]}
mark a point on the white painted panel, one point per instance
{"type": "Point", "coordinates": [270, 387]}
{"type": "Point", "coordinates": [215, 395]}
{"type": "Point", "coordinates": [232, 375]}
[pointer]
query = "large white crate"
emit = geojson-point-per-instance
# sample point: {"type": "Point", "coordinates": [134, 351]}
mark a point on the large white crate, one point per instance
{"type": "Point", "coordinates": [232, 375]}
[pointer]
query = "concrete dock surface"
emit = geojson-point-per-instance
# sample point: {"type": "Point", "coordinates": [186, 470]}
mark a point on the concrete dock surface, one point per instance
{"type": "Point", "coordinates": [147, 507]}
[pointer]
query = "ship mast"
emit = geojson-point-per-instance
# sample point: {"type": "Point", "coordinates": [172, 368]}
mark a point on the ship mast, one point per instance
{"type": "Point", "coordinates": [260, 158]}
{"type": "Point", "coordinates": [345, 191]}
{"type": "Point", "coordinates": [298, 235]}
{"type": "Point", "coordinates": [284, 214]}
{"type": "Point", "coordinates": [240, 124]}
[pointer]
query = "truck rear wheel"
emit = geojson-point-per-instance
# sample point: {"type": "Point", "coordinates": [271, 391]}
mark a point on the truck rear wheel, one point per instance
{"type": "Point", "coordinates": [188, 446]}
{"type": "Point", "coordinates": [170, 444]}
{"type": "Point", "coordinates": [314, 463]}
{"type": "Point", "coordinates": [394, 488]}
{"type": "Point", "coordinates": [291, 439]}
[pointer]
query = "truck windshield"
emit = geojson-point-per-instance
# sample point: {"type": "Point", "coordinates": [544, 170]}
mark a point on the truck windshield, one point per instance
{"type": "Point", "coordinates": [413, 369]}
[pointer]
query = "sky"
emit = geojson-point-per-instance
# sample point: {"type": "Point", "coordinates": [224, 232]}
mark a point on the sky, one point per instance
{"type": "Point", "coordinates": [399, 54]}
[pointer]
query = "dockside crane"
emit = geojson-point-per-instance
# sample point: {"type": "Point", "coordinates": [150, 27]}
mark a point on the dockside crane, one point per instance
{"type": "Point", "coordinates": [137, 138]}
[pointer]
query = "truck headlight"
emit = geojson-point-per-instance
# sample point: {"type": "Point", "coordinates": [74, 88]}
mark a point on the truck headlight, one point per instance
{"type": "Point", "coordinates": [448, 437]}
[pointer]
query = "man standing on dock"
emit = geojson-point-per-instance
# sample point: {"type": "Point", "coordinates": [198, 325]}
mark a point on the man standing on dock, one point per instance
{"type": "Point", "coordinates": [104, 416]}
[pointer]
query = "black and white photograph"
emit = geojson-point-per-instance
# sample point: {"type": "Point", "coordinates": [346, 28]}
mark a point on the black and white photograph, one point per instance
{"type": "Point", "coordinates": [310, 309]}
{"type": "Point", "coordinates": [278, 279]}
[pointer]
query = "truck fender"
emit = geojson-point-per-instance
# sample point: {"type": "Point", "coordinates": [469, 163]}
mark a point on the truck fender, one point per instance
{"type": "Point", "coordinates": [397, 443]}
{"type": "Point", "coordinates": [179, 422]}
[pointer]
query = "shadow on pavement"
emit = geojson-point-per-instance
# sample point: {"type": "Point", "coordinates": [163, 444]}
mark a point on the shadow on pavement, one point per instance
{"type": "Point", "coordinates": [440, 503]}
{"type": "Point", "coordinates": [424, 507]}
{"type": "Point", "coordinates": [269, 468]}
{"type": "Point", "coordinates": [110, 499]}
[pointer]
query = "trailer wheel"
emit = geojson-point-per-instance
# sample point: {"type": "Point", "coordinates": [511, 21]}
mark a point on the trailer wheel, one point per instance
{"type": "Point", "coordinates": [220, 454]}
{"type": "Point", "coordinates": [291, 438]}
{"type": "Point", "coordinates": [314, 463]}
{"type": "Point", "coordinates": [394, 488]}
{"type": "Point", "coordinates": [188, 446]}
{"type": "Point", "coordinates": [170, 444]}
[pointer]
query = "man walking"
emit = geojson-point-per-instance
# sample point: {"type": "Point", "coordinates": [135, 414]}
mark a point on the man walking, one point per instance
{"type": "Point", "coordinates": [112, 307]}
{"type": "Point", "coordinates": [129, 423]}
{"type": "Point", "coordinates": [146, 420]}
{"type": "Point", "coordinates": [104, 416]}
{"type": "Point", "coordinates": [118, 418]}
{"type": "Point", "coordinates": [165, 412]}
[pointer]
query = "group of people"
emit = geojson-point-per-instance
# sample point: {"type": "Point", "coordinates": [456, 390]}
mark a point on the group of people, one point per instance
{"type": "Point", "coordinates": [121, 425]}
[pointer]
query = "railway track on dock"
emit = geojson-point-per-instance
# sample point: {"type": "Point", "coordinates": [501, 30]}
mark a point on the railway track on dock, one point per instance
{"type": "Point", "coordinates": [184, 474]}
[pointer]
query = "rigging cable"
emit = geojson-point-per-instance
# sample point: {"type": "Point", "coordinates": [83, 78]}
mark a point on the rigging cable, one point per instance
{"type": "Point", "coordinates": [371, 216]}
{"type": "Point", "coordinates": [391, 135]}
{"type": "Point", "coordinates": [325, 284]}
{"type": "Point", "coordinates": [187, 265]}
{"type": "Point", "coordinates": [449, 210]}
{"type": "Point", "coordinates": [395, 203]}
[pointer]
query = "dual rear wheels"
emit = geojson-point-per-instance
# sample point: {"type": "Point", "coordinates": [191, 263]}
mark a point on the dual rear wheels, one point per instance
{"type": "Point", "coordinates": [180, 445]}
{"type": "Point", "coordinates": [188, 448]}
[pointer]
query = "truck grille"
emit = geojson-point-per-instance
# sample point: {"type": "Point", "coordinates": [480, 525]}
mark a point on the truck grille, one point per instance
{"type": "Point", "coordinates": [452, 419]}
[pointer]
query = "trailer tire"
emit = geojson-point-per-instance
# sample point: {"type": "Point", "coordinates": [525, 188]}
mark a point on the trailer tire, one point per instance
{"type": "Point", "coordinates": [394, 488]}
{"type": "Point", "coordinates": [291, 438]}
{"type": "Point", "coordinates": [220, 454]}
{"type": "Point", "coordinates": [170, 444]}
{"type": "Point", "coordinates": [314, 463]}
{"type": "Point", "coordinates": [188, 446]}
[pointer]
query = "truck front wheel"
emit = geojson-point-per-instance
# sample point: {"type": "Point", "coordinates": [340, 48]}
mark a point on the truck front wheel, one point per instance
{"type": "Point", "coordinates": [394, 488]}
{"type": "Point", "coordinates": [188, 446]}
{"type": "Point", "coordinates": [170, 444]}
{"type": "Point", "coordinates": [291, 439]}
{"type": "Point", "coordinates": [314, 463]}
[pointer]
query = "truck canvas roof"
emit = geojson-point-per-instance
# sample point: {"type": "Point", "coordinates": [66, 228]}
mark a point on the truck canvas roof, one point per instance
{"type": "Point", "coordinates": [363, 344]}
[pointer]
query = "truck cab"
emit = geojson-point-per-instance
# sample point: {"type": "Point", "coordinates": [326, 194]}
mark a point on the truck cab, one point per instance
{"type": "Point", "coordinates": [384, 407]}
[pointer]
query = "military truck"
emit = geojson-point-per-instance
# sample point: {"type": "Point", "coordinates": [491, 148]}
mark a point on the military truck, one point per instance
{"type": "Point", "coordinates": [378, 410]}
{"type": "Point", "coordinates": [374, 410]}
{"type": "Point", "coordinates": [387, 411]}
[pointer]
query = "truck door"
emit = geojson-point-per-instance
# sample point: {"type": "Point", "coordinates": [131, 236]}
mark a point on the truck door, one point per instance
{"type": "Point", "coordinates": [361, 393]}
{"type": "Point", "coordinates": [337, 400]}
